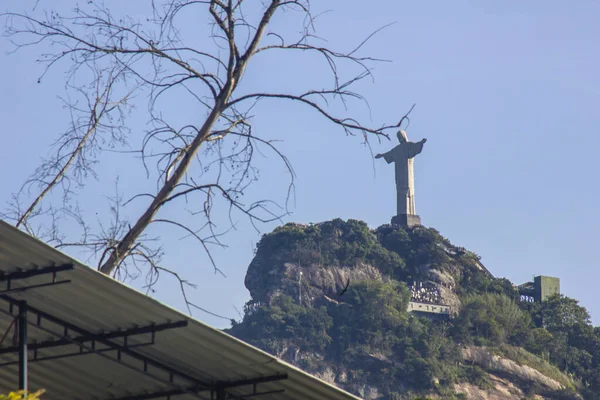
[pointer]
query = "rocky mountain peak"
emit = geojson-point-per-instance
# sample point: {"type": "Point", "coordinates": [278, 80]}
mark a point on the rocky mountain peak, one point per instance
{"type": "Point", "coordinates": [365, 309]}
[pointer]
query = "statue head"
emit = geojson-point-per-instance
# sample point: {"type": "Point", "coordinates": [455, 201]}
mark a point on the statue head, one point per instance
{"type": "Point", "coordinates": [402, 138]}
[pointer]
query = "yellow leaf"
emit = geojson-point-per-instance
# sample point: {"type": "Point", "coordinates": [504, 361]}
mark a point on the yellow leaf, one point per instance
{"type": "Point", "coordinates": [20, 395]}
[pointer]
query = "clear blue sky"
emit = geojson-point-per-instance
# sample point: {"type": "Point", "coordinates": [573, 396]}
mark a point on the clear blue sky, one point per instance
{"type": "Point", "coordinates": [507, 95]}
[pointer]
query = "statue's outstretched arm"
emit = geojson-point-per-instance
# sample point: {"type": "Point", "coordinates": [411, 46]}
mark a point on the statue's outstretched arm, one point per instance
{"type": "Point", "coordinates": [388, 156]}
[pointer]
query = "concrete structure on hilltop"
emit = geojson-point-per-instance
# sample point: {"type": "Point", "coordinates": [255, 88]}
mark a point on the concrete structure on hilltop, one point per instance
{"type": "Point", "coordinates": [426, 298]}
{"type": "Point", "coordinates": [540, 289]}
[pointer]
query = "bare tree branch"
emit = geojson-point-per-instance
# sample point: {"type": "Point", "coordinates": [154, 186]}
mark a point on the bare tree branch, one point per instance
{"type": "Point", "coordinates": [102, 107]}
{"type": "Point", "coordinates": [112, 62]}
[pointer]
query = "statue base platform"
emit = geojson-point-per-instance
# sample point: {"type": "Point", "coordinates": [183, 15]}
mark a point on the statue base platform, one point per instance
{"type": "Point", "coordinates": [408, 220]}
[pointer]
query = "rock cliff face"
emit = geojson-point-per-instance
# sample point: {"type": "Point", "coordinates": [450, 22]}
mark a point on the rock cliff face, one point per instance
{"type": "Point", "coordinates": [494, 363]}
{"type": "Point", "coordinates": [500, 389]}
{"type": "Point", "coordinates": [312, 283]}
{"type": "Point", "coordinates": [364, 340]}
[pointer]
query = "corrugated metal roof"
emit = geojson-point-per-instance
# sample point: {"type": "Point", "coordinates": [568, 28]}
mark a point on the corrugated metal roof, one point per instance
{"type": "Point", "coordinates": [97, 303]}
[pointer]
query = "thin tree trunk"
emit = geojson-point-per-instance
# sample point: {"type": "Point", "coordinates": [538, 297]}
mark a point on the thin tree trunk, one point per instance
{"type": "Point", "coordinates": [122, 249]}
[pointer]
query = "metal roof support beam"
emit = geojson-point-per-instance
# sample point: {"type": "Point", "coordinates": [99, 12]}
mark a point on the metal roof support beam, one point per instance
{"type": "Point", "coordinates": [168, 393]}
{"type": "Point", "coordinates": [10, 277]}
{"type": "Point", "coordinates": [154, 395]}
{"type": "Point", "coordinates": [125, 334]}
{"type": "Point", "coordinates": [83, 351]}
{"type": "Point", "coordinates": [22, 330]}
{"type": "Point", "coordinates": [147, 361]}
{"type": "Point", "coordinates": [256, 394]}
{"type": "Point", "coordinates": [222, 386]}
{"type": "Point", "coordinates": [121, 349]}
{"type": "Point", "coordinates": [25, 288]}
{"type": "Point", "coordinates": [220, 390]}
{"type": "Point", "coordinates": [252, 381]}
{"type": "Point", "coordinates": [35, 272]}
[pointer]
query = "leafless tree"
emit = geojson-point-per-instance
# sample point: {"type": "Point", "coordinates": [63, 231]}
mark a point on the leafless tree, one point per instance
{"type": "Point", "coordinates": [112, 59]}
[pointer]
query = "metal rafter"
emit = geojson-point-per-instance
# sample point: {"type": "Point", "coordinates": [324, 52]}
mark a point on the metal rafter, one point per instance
{"type": "Point", "coordinates": [256, 394]}
{"type": "Point", "coordinates": [83, 351]}
{"type": "Point", "coordinates": [125, 334]}
{"type": "Point", "coordinates": [147, 362]}
{"type": "Point", "coordinates": [34, 272]}
{"type": "Point", "coordinates": [22, 349]}
{"type": "Point", "coordinates": [199, 386]}
{"type": "Point", "coordinates": [176, 392]}
{"type": "Point", "coordinates": [252, 381]}
{"type": "Point", "coordinates": [153, 395]}
{"type": "Point", "coordinates": [10, 277]}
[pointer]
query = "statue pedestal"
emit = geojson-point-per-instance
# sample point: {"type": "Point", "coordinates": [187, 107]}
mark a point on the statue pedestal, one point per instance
{"type": "Point", "coordinates": [408, 220]}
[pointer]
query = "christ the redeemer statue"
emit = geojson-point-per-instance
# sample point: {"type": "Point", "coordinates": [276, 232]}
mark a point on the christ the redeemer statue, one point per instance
{"type": "Point", "coordinates": [402, 155]}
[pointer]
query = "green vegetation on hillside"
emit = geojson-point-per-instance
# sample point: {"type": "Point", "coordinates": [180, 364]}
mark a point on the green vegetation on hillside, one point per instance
{"type": "Point", "coordinates": [369, 337]}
